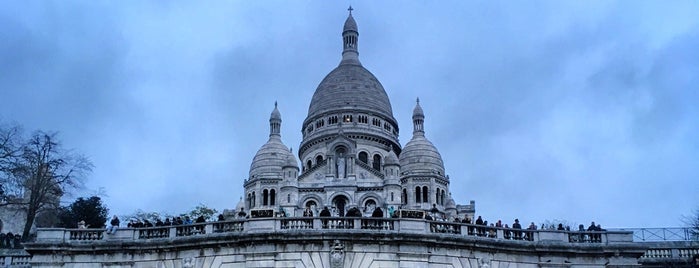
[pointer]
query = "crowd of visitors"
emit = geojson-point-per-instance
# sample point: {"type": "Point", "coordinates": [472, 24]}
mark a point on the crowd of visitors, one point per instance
{"type": "Point", "coordinates": [477, 227]}
{"type": "Point", "coordinates": [10, 240]}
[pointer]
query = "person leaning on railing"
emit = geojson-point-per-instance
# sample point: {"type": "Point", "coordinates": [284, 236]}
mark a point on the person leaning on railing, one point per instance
{"type": "Point", "coordinates": [517, 227]}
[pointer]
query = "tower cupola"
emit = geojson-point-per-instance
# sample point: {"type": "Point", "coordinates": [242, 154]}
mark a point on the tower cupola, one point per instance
{"type": "Point", "coordinates": [350, 38]}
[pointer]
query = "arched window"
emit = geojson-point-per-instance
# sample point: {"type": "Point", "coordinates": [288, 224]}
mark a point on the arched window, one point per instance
{"type": "Point", "coordinates": [425, 194]}
{"type": "Point", "coordinates": [437, 195]}
{"type": "Point", "coordinates": [369, 205]}
{"type": "Point", "coordinates": [309, 164]}
{"type": "Point", "coordinates": [404, 197]}
{"type": "Point", "coordinates": [311, 204]}
{"type": "Point", "coordinates": [288, 198]}
{"type": "Point", "coordinates": [444, 194]}
{"type": "Point", "coordinates": [319, 159]}
{"type": "Point", "coordinates": [364, 157]}
{"type": "Point", "coordinates": [377, 162]}
{"type": "Point", "coordinates": [272, 197]}
{"type": "Point", "coordinates": [391, 196]}
{"type": "Point", "coordinates": [265, 195]}
{"type": "Point", "coordinates": [418, 196]}
{"type": "Point", "coordinates": [254, 202]}
{"type": "Point", "coordinates": [249, 200]}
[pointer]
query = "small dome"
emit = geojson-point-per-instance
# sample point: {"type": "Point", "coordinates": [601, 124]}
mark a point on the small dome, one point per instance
{"type": "Point", "coordinates": [241, 205]}
{"type": "Point", "coordinates": [275, 113]}
{"type": "Point", "coordinates": [350, 24]}
{"type": "Point", "coordinates": [417, 112]}
{"type": "Point", "coordinates": [273, 155]}
{"type": "Point", "coordinates": [270, 159]}
{"type": "Point", "coordinates": [450, 203]}
{"type": "Point", "coordinates": [291, 161]}
{"type": "Point", "coordinates": [391, 158]}
{"type": "Point", "coordinates": [421, 156]}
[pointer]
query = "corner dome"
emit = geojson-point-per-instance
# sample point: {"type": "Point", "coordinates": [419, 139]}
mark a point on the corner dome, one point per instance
{"type": "Point", "coordinates": [270, 159]}
{"type": "Point", "coordinates": [241, 205]}
{"type": "Point", "coordinates": [391, 158]}
{"type": "Point", "coordinates": [421, 156]}
{"type": "Point", "coordinates": [291, 161]}
{"type": "Point", "coordinates": [273, 155]}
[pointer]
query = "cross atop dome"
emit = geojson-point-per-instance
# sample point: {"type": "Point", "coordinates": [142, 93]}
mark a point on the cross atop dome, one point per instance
{"type": "Point", "coordinates": [350, 10]}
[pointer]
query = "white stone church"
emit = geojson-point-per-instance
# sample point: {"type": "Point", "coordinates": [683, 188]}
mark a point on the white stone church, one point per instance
{"type": "Point", "coordinates": [350, 153]}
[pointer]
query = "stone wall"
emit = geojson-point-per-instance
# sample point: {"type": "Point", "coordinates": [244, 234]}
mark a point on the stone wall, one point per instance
{"type": "Point", "coordinates": [313, 242]}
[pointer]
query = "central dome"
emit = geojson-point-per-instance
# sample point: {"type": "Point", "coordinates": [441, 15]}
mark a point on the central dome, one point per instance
{"type": "Point", "coordinates": [350, 86]}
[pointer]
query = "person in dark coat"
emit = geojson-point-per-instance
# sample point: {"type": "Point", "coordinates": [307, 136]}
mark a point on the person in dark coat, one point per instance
{"type": "Point", "coordinates": [325, 213]}
{"type": "Point", "coordinates": [378, 213]}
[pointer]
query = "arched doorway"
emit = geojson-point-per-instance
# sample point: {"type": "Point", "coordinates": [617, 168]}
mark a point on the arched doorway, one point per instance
{"type": "Point", "coordinates": [340, 202]}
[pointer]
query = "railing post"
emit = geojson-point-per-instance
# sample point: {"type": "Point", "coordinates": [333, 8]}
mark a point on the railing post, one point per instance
{"type": "Point", "coordinates": [357, 223]}
{"type": "Point", "coordinates": [209, 228]}
{"type": "Point", "coordinates": [172, 231]}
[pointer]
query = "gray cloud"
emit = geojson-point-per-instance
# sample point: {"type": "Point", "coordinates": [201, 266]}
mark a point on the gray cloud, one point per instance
{"type": "Point", "coordinates": [541, 110]}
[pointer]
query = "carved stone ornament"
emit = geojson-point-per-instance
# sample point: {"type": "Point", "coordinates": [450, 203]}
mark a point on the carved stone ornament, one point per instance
{"type": "Point", "coordinates": [337, 254]}
{"type": "Point", "coordinates": [188, 262]}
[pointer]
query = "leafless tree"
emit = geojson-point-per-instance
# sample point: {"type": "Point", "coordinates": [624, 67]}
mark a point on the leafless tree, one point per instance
{"type": "Point", "coordinates": [10, 150]}
{"type": "Point", "coordinates": [693, 223]}
{"type": "Point", "coordinates": [45, 171]}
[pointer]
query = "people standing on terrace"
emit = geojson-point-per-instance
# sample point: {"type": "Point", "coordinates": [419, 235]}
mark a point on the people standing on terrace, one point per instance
{"type": "Point", "coordinates": [480, 230]}
{"type": "Point", "coordinates": [325, 213]}
{"type": "Point", "coordinates": [530, 234]}
{"type": "Point", "coordinates": [308, 212]}
{"type": "Point", "coordinates": [517, 227]}
{"type": "Point", "coordinates": [114, 224]}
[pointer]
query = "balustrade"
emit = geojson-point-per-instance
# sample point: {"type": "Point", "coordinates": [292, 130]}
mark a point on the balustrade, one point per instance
{"type": "Point", "coordinates": [86, 234]}
{"type": "Point", "coordinates": [154, 232]}
{"type": "Point", "coordinates": [228, 226]}
{"type": "Point", "coordinates": [315, 224]}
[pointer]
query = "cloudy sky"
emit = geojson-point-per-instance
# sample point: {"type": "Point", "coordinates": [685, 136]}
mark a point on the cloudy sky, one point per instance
{"type": "Point", "coordinates": [573, 110]}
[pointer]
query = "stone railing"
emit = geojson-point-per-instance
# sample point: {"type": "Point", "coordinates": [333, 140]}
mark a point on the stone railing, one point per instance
{"type": "Point", "coordinates": [15, 261]}
{"type": "Point", "coordinates": [331, 224]}
{"type": "Point", "coordinates": [670, 253]}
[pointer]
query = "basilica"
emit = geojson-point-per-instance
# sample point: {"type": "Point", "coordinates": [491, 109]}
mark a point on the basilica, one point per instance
{"type": "Point", "coordinates": [351, 196]}
{"type": "Point", "coordinates": [350, 153]}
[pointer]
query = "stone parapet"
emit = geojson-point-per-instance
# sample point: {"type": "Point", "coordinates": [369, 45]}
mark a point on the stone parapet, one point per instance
{"type": "Point", "coordinates": [316, 242]}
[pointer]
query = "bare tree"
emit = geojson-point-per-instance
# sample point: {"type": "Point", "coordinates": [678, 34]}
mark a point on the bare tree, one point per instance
{"type": "Point", "coordinates": [693, 222]}
{"type": "Point", "coordinates": [46, 171]}
{"type": "Point", "coordinates": [10, 150]}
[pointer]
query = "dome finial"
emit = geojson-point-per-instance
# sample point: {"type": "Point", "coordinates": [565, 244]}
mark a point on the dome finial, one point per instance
{"type": "Point", "coordinates": [350, 41]}
{"type": "Point", "coordinates": [275, 122]}
{"type": "Point", "coordinates": [418, 119]}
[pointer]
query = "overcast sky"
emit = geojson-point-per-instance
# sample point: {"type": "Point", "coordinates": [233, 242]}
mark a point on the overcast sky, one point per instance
{"type": "Point", "coordinates": [573, 110]}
